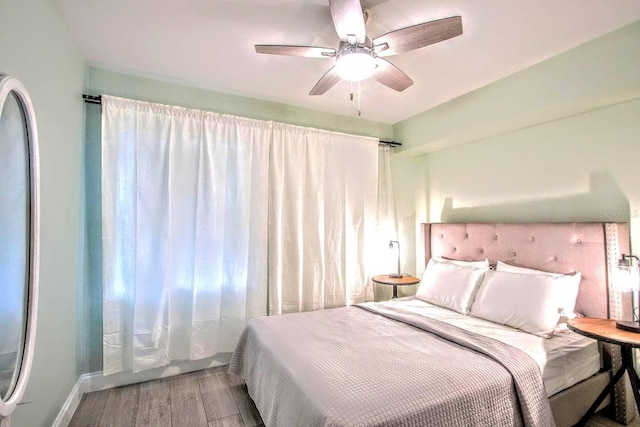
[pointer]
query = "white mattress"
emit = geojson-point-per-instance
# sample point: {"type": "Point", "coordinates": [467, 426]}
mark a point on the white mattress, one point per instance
{"type": "Point", "coordinates": [565, 359]}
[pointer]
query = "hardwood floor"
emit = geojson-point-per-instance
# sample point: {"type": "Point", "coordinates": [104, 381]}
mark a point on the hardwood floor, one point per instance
{"type": "Point", "coordinates": [208, 398]}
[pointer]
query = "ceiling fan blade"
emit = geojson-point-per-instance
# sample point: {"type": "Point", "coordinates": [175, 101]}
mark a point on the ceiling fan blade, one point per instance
{"type": "Point", "coordinates": [327, 81]}
{"type": "Point", "coordinates": [308, 51]}
{"type": "Point", "coordinates": [391, 76]}
{"type": "Point", "coordinates": [417, 36]}
{"type": "Point", "coordinates": [348, 19]}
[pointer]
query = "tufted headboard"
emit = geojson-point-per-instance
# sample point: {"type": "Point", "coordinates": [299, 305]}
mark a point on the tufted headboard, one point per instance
{"type": "Point", "coordinates": [590, 248]}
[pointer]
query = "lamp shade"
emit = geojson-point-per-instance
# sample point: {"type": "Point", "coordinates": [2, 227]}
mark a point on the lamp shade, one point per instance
{"type": "Point", "coordinates": [399, 273]}
{"type": "Point", "coordinates": [627, 277]}
{"type": "Point", "coordinates": [627, 280]}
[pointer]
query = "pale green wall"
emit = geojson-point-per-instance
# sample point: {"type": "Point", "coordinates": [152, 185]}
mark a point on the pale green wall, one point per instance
{"type": "Point", "coordinates": [37, 47]}
{"type": "Point", "coordinates": [559, 141]}
{"type": "Point", "coordinates": [101, 81]}
{"type": "Point", "coordinates": [602, 72]}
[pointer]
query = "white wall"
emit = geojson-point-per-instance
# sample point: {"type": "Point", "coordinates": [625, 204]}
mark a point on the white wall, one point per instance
{"type": "Point", "coordinates": [37, 47]}
{"type": "Point", "coordinates": [559, 141]}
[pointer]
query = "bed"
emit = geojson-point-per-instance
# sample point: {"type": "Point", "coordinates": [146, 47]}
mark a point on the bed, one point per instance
{"type": "Point", "coordinates": [410, 362]}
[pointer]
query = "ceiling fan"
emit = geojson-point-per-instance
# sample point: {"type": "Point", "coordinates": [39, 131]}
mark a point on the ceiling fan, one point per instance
{"type": "Point", "coordinates": [358, 57]}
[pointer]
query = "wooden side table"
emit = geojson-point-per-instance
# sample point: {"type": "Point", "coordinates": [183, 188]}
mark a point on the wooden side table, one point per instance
{"type": "Point", "coordinates": [605, 330]}
{"type": "Point", "coordinates": [384, 279]}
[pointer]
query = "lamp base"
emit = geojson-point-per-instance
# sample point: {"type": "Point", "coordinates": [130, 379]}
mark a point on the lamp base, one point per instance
{"type": "Point", "coordinates": [395, 276]}
{"type": "Point", "coordinates": [627, 325]}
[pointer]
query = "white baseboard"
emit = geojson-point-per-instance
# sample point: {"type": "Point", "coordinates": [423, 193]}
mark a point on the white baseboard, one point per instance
{"type": "Point", "coordinates": [73, 400]}
{"type": "Point", "coordinates": [96, 381]}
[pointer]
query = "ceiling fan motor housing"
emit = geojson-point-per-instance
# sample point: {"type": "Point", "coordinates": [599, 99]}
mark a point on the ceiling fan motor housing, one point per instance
{"type": "Point", "coordinates": [355, 61]}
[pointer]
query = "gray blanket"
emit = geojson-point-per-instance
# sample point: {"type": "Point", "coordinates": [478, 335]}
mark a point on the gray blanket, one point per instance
{"type": "Point", "coordinates": [370, 365]}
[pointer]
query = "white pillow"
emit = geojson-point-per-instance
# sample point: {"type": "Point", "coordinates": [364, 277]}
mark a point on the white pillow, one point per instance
{"type": "Point", "coordinates": [569, 283]}
{"type": "Point", "coordinates": [477, 264]}
{"type": "Point", "coordinates": [449, 285]}
{"type": "Point", "coordinates": [531, 302]}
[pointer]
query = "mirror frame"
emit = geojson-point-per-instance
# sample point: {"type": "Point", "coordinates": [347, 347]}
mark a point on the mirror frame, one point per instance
{"type": "Point", "coordinates": [9, 85]}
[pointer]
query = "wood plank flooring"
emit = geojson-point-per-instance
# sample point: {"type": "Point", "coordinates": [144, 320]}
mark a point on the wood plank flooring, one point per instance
{"type": "Point", "coordinates": [208, 398]}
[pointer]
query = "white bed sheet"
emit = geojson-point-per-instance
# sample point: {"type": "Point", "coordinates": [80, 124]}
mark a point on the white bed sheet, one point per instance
{"type": "Point", "coordinates": [565, 359]}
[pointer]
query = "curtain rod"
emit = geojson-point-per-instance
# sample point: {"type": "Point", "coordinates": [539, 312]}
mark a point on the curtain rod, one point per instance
{"type": "Point", "coordinates": [93, 99]}
{"type": "Point", "coordinates": [390, 143]}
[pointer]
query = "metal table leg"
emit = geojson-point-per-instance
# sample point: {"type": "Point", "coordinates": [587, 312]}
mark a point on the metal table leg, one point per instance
{"type": "Point", "coordinates": [627, 366]}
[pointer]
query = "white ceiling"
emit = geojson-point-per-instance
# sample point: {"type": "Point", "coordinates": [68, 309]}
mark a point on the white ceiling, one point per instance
{"type": "Point", "coordinates": [209, 44]}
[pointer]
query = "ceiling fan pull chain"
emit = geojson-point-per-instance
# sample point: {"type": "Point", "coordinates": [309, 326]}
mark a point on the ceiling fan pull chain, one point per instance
{"type": "Point", "coordinates": [350, 91]}
{"type": "Point", "coordinates": [359, 96]}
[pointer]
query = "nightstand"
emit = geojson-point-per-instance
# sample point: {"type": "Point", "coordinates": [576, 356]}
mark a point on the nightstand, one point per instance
{"type": "Point", "coordinates": [384, 279]}
{"type": "Point", "coordinates": [605, 330]}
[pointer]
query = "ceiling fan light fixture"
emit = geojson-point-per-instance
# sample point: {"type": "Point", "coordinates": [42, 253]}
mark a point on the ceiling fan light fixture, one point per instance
{"type": "Point", "coordinates": [355, 64]}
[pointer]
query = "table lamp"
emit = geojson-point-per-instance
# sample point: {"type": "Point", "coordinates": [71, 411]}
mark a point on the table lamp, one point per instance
{"type": "Point", "coordinates": [398, 274]}
{"type": "Point", "coordinates": [629, 274]}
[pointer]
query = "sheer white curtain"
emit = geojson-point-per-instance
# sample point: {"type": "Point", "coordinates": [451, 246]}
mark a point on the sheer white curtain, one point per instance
{"type": "Point", "coordinates": [209, 219]}
{"type": "Point", "coordinates": [184, 231]}
{"type": "Point", "coordinates": [387, 224]}
{"type": "Point", "coordinates": [384, 260]}
{"type": "Point", "coordinates": [323, 209]}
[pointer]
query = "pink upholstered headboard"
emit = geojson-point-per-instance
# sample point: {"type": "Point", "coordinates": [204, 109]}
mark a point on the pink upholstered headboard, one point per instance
{"type": "Point", "coordinates": [590, 248]}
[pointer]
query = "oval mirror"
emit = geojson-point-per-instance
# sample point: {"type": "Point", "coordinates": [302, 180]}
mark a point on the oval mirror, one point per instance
{"type": "Point", "coordinates": [19, 231]}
